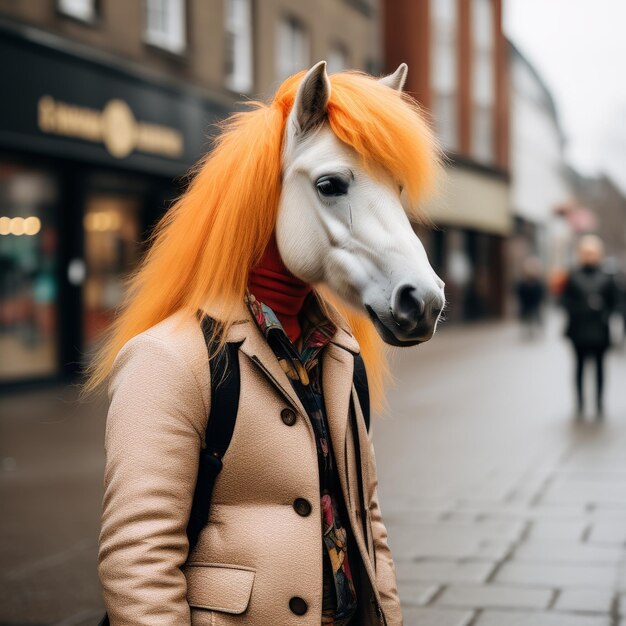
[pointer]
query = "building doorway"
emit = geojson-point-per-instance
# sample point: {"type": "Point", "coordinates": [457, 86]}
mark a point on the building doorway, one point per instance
{"type": "Point", "coordinates": [112, 231]}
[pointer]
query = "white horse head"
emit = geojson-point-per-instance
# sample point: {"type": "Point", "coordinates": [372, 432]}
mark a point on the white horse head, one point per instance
{"type": "Point", "coordinates": [343, 227]}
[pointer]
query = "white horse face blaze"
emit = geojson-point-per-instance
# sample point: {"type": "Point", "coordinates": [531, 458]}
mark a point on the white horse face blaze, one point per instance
{"type": "Point", "coordinates": [346, 228]}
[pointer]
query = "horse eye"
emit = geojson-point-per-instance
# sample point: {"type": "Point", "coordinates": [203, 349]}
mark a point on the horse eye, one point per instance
{"type": "Point", "coordinates": [329, 186]}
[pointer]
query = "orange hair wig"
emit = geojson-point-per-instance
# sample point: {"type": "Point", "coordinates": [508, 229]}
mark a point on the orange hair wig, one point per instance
{"type": "Point", "coordinates": [204, 246]}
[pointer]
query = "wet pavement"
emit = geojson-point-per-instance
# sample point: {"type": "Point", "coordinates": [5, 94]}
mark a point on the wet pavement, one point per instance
{"type": "Point", "coordinates": [501, 508]}
{"type": "Point", "coordinates": [52, 462]}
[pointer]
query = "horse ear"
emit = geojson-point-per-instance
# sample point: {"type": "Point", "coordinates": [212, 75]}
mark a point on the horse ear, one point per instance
{"type": "Point", "coordinates": [309, 107]}
{"type": "Point", "coordinates": [397, 79]}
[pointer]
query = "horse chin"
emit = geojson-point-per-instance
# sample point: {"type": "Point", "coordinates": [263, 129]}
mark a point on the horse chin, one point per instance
{"type": "Point", "coordinates": [388, 335]}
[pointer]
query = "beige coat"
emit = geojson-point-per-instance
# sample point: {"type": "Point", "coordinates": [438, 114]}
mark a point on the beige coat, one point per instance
{"type": "Point", "coordinates": [257, 552]}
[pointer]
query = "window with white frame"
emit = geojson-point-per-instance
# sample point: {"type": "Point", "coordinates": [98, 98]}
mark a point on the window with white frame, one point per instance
{"type": "Point", "coordinates": [84, 10]}
{"type": "Point", "coordinates": [238, 41]}
{"type": "Point", "coordinates": [165, 24]}
{"type": "Point", "coordinates": [292, 48]}
{"type": "Point", "coordinates": [337, 59]}
{"type": "Point", "coordinates": [483, 81]}
{"type": "Point", "coordinates": [444, 71]}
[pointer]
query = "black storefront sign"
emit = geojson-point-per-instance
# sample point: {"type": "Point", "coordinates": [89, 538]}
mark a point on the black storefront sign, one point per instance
{"type": "Point", "coordinates": [56, 103]}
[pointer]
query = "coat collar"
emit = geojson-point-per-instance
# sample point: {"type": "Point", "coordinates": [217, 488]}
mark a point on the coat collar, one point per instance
{"type": "Point", "coordinates": [243, 321]}
{"type": "Point", "coordinates": [343, 337]}
{"type": "Point", "coordinates": [337, 362]}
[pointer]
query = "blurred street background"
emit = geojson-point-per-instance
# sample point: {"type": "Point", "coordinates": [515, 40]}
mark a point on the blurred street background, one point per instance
{"type": "Point", "coordinates": [505, 504]}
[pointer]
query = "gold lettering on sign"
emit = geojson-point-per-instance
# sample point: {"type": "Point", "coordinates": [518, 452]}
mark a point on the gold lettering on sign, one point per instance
{"type": "Point", "coordinates": [115, 126]}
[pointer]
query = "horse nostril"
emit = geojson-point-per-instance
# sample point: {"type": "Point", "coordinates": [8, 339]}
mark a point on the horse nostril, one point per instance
{"type": "Point", "coordinates": [408, 308]}
{"type": "Point", "coordinates": [409, 303]}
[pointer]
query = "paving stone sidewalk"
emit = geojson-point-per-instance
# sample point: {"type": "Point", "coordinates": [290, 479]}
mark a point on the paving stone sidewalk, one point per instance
{"type": "Point", "coordinates": [501, 509]}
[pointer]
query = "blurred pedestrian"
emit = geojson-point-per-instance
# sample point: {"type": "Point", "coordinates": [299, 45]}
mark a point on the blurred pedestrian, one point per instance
{"type": "Point", "coordinates": [589, 298]}
{"type": "Point", "coordinates": [531, 292]}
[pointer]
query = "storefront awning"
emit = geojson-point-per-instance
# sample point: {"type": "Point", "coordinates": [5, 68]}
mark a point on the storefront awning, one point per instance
{"type": "Point", "coordinates": [472, 198]}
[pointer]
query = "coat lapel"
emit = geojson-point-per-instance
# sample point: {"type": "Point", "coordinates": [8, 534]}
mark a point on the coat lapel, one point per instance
{"type": "Point", "coordinates": [259, 351]}
{"type": "Point", "coordinates": [337, 368]}
{"type": "Point", "coordinates": [256, 348]}
{"type": "Point", "coordinates": [364, 444]}
{"type": "Point", "coordinates": [337, 371]}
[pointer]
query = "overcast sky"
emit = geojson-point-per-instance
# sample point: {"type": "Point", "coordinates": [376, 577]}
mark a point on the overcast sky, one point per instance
{"type": "Point", "coordinates": [579, 48]}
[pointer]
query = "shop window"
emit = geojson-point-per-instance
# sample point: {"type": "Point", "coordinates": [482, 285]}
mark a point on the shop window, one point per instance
{"type": "Point", "coordinates": [28, 273]}
{"type": "Point", "coordinates": [444, 70]}
{"type": "Point", "coordinates": [111, 227]}
{"type": "Point", "coordinates": [84, 10]}
{"type": "Point", "coordinates": [238, 39]}
{"type": "Point", "coordinates": [337, 59]}
{"type": "Point", "coordinates": [292, 48]}
{"type": "Point", "coordinates": [483, 81]}
{"type": "Point", "coordinates": [165, 24]}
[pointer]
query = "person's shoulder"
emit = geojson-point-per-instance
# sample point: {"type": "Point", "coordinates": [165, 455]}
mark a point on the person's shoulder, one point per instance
{"type": "Point", "coordinates": [172, 350]}
{"type": "Point", "coordinates": [180, 332]}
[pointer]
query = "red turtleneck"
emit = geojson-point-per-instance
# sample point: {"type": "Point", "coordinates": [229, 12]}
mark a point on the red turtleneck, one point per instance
{"type": "Point", "coordinates": [274, 285]}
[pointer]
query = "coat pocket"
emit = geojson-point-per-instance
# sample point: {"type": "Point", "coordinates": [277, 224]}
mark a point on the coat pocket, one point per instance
{"type": "Point", "coordinates": [219, 586]}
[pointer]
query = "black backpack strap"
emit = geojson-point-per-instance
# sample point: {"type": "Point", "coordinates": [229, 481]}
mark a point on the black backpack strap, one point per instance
{"type": "Point", "coordinates": [359, 380]}
{"type": "Point", "coordinates": [225, 384]}
{"type": "Point", "coordinates": [225, 389]}
{"type": "Point", "coordinates": [362, 388]}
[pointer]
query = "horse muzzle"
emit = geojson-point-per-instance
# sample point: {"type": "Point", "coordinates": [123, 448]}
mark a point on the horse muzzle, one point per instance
{"type": "Point", "coordinates": [412, 315]}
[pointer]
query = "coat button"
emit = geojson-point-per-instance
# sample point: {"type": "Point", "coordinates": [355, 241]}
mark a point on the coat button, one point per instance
{"type": "Point", "coordinates": [288, 416]}
{"type": "Point", "coordinates": [298, 605]}
{"type": "Point", "coordinates": [302, 506]}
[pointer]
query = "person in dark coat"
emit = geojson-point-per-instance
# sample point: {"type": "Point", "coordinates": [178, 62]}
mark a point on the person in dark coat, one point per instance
{"type": "Point", "coordinates": [589, 298]}
{"type": "Point", "coordinates": [531, 292]}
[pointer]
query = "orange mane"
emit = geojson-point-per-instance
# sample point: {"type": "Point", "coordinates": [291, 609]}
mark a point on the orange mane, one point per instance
{"type": "Point", "coordinates": [203, 247]}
